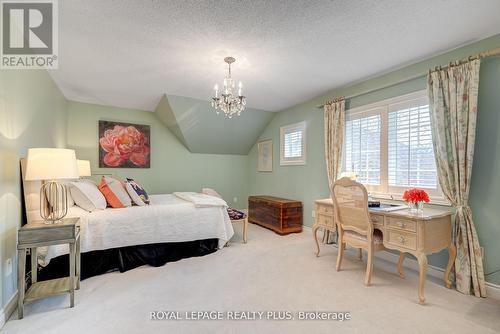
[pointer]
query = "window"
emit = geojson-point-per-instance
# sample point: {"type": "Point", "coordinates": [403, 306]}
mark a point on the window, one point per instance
{"type": "Point", "coordinates": [362, 147]}
{"type": "Point", "coordinates": [389, 146]}
{"type": "Point", "coordinates": [293, 144]}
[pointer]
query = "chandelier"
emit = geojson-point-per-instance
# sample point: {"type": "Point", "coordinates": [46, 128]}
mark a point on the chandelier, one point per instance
{"type": "Point", "coordinates": [228, 102]}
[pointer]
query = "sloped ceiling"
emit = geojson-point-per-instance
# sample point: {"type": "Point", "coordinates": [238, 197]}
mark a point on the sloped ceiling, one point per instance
{"type": "Point", "coordinates": [201, 130]}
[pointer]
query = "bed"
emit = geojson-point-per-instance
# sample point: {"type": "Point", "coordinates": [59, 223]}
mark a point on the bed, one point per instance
{"type": "Point", "coordinates": [169, 229]}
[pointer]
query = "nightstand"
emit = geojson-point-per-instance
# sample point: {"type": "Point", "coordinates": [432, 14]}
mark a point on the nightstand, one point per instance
{"type": "Point", "coordinates": [39, 234]}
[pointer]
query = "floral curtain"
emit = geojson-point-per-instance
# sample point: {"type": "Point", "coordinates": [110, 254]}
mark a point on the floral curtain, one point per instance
{"type": "Point", "coordinates": [334, 138]}
{"type": "Point", "coordinates": [453, 94]}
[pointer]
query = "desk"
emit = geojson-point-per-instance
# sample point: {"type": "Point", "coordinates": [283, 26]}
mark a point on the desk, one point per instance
{"type": "Point", "coordinates": [416, 234]}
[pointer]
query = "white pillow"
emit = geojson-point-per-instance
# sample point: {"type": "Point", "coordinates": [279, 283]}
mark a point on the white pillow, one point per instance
{"type": "Point", "coordinates": [211, 192]}
{"type": "Point", "coordinates": [87, 196]}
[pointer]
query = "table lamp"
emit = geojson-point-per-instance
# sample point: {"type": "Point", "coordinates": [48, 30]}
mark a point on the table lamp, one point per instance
{"type": "Point", "coordinates": [48, 165]}
{"type": "Point", "coordinates": [84, 168]}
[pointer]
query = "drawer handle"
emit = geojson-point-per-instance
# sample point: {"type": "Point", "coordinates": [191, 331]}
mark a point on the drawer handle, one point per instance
{"type": "Point", "coordinates": [401, 224]}
{"type": "Point", "coordinates": [402, 239]}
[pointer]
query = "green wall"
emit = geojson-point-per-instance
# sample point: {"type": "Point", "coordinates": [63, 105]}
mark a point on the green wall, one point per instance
{"type": "Point", "coordinates": [309, 182]}
{"type": "Point", "coordinates": [32, 114]}
{"type": "Point", "coordinates": [173, 167]}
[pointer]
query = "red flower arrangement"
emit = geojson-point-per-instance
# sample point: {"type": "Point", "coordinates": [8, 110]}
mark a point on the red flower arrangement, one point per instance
{"type": "Point", "coordinates": [415, 195]}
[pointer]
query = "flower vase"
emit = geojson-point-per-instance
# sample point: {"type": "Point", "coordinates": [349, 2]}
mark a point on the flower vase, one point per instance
{"type": "Point", "coordinates": [416, 207]}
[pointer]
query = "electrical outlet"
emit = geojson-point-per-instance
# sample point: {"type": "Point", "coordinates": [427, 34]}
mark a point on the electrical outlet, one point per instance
{"type": "Point", "coordinates": [313, 214]}
{"type": "Point", "coordinates": [235, 199]}
{"type": "Point", "coordinates": [8, 267]}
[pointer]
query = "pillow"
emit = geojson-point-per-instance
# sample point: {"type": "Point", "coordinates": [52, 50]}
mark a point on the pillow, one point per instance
{"type": "Point", "coordinates": [87, 196]}
{"type": "Point", "coordinates": [137, 193]}
{"type": "Point", "coordinates": [69, 200]}
{"type": "Point", "coordinates": [210, 192]}
{"type": "Point", "coordinates": [114, 192]}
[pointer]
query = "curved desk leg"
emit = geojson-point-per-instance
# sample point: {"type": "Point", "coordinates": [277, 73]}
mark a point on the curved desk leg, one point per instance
{"type": "Point", "coordinates": [400, 264]}
{"type": "Point", "coordinates": [314, 231]}
{"type": "Point", "coordinates": [422, 262]}
{"type": "Point", "coordinates": [245, 227]}
{"type": "Point", "coordinates": [452, 253]}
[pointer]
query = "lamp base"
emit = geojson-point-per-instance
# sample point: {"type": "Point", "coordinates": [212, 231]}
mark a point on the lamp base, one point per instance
{"type": "Point", "coordinates": [53, 202]}
{"type": "Point", "coordinates": [52, 222]}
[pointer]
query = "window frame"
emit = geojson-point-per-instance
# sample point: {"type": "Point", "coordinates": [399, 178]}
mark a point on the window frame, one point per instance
{"type": "Point", "coordinates": [295, 161]}
{"type": "Point", "coordinates": [382, 108]}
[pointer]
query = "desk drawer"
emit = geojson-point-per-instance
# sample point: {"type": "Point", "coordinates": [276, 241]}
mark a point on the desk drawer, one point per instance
{"type": "Point", "coordinates": [325, 210]}
{"type": "Point", "coordinates": [377, 220]}
{"type": "Point", "coordinates": [324, 220]}
{"type": "Point", "coordinates": [402, 239]}
{"type": "Point", "coordinates": [402, 224]}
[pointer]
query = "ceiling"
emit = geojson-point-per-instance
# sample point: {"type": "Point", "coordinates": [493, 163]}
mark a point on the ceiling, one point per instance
{"type": "Point", "coordinates": [130, 53]}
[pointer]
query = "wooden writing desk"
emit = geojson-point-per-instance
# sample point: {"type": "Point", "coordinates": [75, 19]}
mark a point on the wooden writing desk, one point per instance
{"type": "Point", "coordinates": [416, 234]}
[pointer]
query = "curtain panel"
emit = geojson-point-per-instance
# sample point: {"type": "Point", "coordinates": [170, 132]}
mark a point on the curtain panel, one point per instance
{"type": "Point", "coordinates": [334, 139]}
{"type": "Point", "coordinates": [453, 95]}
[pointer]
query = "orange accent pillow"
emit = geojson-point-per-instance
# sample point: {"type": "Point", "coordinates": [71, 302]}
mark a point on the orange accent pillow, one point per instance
{"type": "Point", "coordinates": [114, 192]}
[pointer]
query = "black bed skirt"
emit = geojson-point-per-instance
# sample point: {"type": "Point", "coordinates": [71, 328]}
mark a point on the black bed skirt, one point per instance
{"type": "Point", "coordinates": [126, 258]}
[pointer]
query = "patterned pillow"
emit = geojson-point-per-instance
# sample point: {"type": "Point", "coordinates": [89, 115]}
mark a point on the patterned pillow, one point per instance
{"type": "Point", "coordinates": [114, 192]}
{"type": "Point", "coordinates": [136, 192]}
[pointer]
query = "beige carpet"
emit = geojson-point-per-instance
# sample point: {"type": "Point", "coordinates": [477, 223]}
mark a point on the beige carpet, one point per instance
{"type": "Point", "coordinates": [270, 273]}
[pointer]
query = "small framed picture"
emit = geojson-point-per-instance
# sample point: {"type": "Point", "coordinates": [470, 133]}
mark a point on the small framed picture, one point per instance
{"type": "Point", "coordinates": [265, 149]}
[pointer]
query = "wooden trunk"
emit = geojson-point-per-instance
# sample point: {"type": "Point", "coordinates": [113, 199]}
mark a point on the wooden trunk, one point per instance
{"type": "Point", "coordinates": [283, 216]}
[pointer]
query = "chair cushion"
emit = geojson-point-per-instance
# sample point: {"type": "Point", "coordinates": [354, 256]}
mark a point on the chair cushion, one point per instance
{"type": "Point", "coordinates": [377, 236]}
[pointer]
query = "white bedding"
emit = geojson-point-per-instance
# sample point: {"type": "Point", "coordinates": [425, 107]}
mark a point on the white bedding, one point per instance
{"type": "Point", "coordinates": [167, 219]}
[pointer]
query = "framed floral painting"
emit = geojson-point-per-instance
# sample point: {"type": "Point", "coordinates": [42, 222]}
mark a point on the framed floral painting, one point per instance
{"type": "Point", "coordinates": [124, 145]}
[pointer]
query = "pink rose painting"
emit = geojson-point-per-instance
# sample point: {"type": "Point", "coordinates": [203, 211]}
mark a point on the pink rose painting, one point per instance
{"type": "Point", "coordinates": [124, 145]}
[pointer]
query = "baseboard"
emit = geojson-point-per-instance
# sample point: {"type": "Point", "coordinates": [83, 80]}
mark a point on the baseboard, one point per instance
{"type": "Point", "coordinates": [7, 311]}
{"type": "Point", "coordinates": [492, 290]}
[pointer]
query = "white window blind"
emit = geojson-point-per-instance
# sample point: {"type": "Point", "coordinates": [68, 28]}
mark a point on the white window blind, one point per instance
{"type": "Point", "coordinates": [362, 147]}
{"type": "Point", "coordinates": [389, 146]}
{"type": "Point", "coordinates": [411, 154]}
{"type": "Point", "coordinates": [293, 144]}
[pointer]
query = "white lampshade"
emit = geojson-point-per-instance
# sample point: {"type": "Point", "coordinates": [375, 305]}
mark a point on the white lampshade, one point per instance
{"type": "Point", "coordinates": [51, 164]}
{"type": "Point", "coordinates": [84, 168]}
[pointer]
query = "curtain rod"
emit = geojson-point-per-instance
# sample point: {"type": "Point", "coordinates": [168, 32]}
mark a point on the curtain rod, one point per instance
{"type": "Point", "coordinates": [489, 53]}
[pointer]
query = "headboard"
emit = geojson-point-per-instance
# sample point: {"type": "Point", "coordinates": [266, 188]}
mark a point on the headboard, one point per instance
{"type": "Point", "coordinates": [31, 195]}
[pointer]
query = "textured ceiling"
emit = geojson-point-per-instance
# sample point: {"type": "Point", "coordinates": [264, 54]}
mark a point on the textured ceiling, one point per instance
{"type": "Point", "coordinates": [129, 53]}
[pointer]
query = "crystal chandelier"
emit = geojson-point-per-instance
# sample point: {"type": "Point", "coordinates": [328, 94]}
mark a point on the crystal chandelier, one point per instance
{"type": "Point", "coordinates": [229, 103]}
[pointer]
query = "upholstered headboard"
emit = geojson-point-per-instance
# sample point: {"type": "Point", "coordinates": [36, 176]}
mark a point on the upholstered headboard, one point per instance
{"type": "Point", "coordinates": [31, 194]}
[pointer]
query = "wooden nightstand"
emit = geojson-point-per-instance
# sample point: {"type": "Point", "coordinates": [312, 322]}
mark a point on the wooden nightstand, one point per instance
{"type": "Point", "coordinates": [39, 234]}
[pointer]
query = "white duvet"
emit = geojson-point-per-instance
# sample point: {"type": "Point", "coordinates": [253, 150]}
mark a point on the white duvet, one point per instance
{"type": "Point", "coordinates": [167, 219]}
